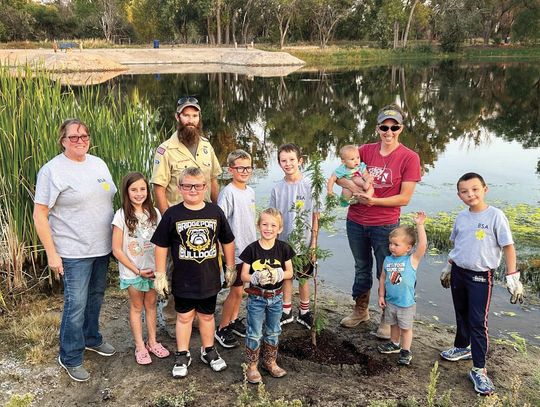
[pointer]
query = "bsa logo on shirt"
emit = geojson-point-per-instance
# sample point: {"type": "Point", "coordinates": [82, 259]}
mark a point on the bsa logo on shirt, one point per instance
{"type": "Point", "coordinates": [104, 184]}
{"type": "Point", "coordinates": [197, 239]}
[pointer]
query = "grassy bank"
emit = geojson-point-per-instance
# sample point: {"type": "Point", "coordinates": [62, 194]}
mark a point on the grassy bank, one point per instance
{"type": "Point", "coordinates": [343, 56]}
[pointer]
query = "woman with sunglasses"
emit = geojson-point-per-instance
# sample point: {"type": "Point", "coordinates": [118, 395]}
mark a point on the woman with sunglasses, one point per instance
{"type": "Point", "coordinates": [73, 211]}
{"type": "Point", "coordinates": [395, 170]}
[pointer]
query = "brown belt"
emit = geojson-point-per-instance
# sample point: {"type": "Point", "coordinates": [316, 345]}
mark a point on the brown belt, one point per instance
{"type": "Point", "coordinates": [264, 293]}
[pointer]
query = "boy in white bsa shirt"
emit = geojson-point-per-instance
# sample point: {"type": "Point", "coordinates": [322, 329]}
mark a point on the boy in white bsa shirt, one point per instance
{"type": "Point", "coordinates": [237, 200]}
{"type": "Point", "coordinates": [481, 234]}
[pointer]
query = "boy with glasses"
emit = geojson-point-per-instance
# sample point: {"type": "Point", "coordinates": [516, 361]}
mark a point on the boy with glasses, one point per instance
{"type": "Point", "coordinates": [237, 200]}
{"type": "Point", "coordinates": [192, 230]}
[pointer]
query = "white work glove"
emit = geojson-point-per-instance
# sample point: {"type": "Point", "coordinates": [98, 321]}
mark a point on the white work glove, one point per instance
{"type": "Point", "coordinates": [515, 288]}
{"type": "Point", "coordinates": [254, 279]}
{"type": "Point", "coordinates": [265, 277]}
{"type": "Point", "coordinates": [275, 275]}
{"type": "Point", "coordinates": [445, 275]}
{"type": "Point", "coordinates": [230, 276]}
{"type": "Point", "coordinates": [161, 285]}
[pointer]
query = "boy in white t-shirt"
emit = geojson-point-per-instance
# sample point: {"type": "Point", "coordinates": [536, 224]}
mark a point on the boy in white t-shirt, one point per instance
{"type": "Point", "coordinates": [237, 200]}
{"type": "Point", "coordinates": [295, 190]}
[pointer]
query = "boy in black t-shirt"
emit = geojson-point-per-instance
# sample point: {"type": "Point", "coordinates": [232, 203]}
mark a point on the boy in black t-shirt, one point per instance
{"type": "Point", "coordinates": [192, 230]}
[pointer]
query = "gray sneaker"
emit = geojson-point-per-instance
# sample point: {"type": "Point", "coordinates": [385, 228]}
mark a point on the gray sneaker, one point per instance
{"type": "Point", "coordinates": [77, 373]}
{"type": "Point", "coordinates": [105, 349]}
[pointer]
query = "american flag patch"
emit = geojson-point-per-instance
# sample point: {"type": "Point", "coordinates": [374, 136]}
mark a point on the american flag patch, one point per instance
{"type": "Point", "coordinates": [160, 150]}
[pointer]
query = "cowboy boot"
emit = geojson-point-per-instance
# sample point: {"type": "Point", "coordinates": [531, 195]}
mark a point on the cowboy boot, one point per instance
{"type": "Point", "coordinates": [383, 331]}
{"type": "Point", "coordinates": [252, 372]}
{"type": "Point", "coordinates": [269, 361]}
{"type": "Point", "coordinates": [360, 312]}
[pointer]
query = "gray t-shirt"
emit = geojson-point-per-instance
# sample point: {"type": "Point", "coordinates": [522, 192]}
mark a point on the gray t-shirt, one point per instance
{"type": "Point", "coordinates": [79, 197]}
{"type": "Point", "coordinates": [239, 208]}
{"type": "Point", "coordinates": [479, 238]}
{"type": "Point", "coordinates": [283, 196]}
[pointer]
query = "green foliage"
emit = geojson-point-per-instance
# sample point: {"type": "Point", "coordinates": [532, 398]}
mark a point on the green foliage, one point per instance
{"type": "Point", "coordinates": [527, 23]}
{"type": "Point", "coordinates": [432, 386]}
{"type": "Point", "coordinates": [257, 396]}
{"type": "Point", "coordinates": [517, 342]}
{"type": "Point", "coordinates": [184, 399]}
{"type": "Point", "coordinates": [453, 32]}
{"type": "Point", "coordinates": [123, 129]}
{"type": "Point", "coordinates": [20, 401]}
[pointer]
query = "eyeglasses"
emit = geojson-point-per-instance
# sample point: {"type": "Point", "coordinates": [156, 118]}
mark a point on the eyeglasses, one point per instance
{"type": "Point", "coordinates": [384, 128]}
{"type": "Point", "coordinates": [187, 99]}
{"type": "Point", "coordinates": [75, 139]}
{"type": "Point", "coordinates": [189, 187]}
{"type": "Point", "coordinates": [242, 169]}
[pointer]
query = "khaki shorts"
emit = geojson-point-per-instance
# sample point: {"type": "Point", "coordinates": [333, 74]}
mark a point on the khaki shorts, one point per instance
{"type": "Point", "coordinates": [401, 316]}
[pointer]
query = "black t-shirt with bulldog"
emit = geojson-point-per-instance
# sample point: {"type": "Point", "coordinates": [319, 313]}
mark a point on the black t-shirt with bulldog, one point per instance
{"type": "Point", "coordinates": [193, 237]}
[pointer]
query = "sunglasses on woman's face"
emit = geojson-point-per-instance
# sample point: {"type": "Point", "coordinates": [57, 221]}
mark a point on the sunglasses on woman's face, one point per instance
{"type": "Point", "coordinates": [384, 128]}
{"type": "Point", "coordinates": [187, 99]}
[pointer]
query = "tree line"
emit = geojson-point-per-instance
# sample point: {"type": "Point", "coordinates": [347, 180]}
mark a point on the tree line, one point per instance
{"type": "Point", "coordinates": [386, 23]}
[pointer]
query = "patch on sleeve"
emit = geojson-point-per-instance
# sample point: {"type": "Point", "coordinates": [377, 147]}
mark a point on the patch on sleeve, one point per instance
{"type": "Point", "coordinates": [160, 150]}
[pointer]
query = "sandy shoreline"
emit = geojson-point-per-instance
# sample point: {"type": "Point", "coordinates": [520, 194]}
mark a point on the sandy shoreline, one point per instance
{"type": "Point", "coordinates": [163, 60]}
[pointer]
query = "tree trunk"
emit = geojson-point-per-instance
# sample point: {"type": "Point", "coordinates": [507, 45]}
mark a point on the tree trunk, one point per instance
{"type": "Point", "coordinates": [233, 26]}
{"type": "Point", "coordinates": [209, 30]}
{"type": "Point", "coordinates": [396, 34]}
{"type": "Point", "coordinates": [218, 22]}
{"type": "Point", "coordinates": [406, 34]}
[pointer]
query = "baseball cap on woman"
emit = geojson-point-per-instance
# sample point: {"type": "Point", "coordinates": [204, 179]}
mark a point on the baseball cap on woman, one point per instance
{"type": "Point", "coordinates": [390, 113]}
{"type": "Point", "coordinates": [186, 101]}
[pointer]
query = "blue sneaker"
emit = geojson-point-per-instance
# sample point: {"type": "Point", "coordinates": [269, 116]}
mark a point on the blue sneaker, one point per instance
{"type": "Point", "coordinates": [455, 354]}
{"type": "Point", "coordinates": [482, 384]}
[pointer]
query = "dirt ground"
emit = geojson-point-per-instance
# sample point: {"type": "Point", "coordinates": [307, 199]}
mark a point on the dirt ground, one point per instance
{"type": "Point", "coordinates": [119, 381]}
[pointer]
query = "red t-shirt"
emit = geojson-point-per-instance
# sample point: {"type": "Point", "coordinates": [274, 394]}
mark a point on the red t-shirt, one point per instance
{"type": "Point", "coordinates": [401, 165]}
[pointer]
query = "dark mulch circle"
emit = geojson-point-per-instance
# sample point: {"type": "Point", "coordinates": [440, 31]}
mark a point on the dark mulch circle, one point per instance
{"type": "Point", "coordinates": [331, 350]}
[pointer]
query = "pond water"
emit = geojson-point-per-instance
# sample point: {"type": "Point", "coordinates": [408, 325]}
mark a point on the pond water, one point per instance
{"type": "Point", "coordinates": [463, 117]}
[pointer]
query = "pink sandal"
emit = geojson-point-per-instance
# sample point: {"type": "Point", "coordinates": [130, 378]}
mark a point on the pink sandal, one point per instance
{"type": "Point", "coordinates": [142, 357]}
{"type": "Point", "coordinates": [159, 350]}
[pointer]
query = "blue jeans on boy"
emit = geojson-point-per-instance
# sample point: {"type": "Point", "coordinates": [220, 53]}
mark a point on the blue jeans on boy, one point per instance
{"type": "Point", "coordinates": [85, 281]}
{"type": "Point", "coordinates": [267, 311]}
{"type": "Point", "coordinates": [362, 240]}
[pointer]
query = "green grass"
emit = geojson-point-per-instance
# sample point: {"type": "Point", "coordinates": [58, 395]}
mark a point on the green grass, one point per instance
{"type": "Point", "coordinates": [349, 55]}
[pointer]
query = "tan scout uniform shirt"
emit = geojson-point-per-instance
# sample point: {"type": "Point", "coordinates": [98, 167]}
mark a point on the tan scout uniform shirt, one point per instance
{"type": "Point", "coordinates": [172, 157]}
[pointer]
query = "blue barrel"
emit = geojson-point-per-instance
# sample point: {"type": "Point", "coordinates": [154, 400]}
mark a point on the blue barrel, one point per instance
{"type": "Point", "coordinates": [156, 43]}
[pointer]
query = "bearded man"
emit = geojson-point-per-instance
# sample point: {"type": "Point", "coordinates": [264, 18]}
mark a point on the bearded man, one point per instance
{"type": "Point", "coordinates": [186, 148]}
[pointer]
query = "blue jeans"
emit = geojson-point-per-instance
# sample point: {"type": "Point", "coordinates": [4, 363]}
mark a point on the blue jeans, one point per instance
{"type": "Point", "coordinates": [85, 281]}
{"type": "Point", "coordinates": [362, 240]}
{"type": "Point", "coordinates": [265, 311]}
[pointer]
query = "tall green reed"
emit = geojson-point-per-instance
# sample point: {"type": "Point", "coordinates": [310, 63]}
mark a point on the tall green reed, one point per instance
{"type": "Point", "coordinates": [32, 106]}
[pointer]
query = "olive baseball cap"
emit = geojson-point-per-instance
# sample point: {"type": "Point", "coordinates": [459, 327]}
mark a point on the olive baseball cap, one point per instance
{"type": "Point", "coordinates": [187, 101]}
{"type": "Point", "coordinates": [390, 114]}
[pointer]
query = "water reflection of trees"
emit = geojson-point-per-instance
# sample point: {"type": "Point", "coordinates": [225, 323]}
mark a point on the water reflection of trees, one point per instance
{"type": "Point", "coordinates": [324, 110]}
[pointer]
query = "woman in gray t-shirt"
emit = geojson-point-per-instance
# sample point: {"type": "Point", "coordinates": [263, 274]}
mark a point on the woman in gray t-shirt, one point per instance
{"type": "Point", "coordinates": [72, 214]}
